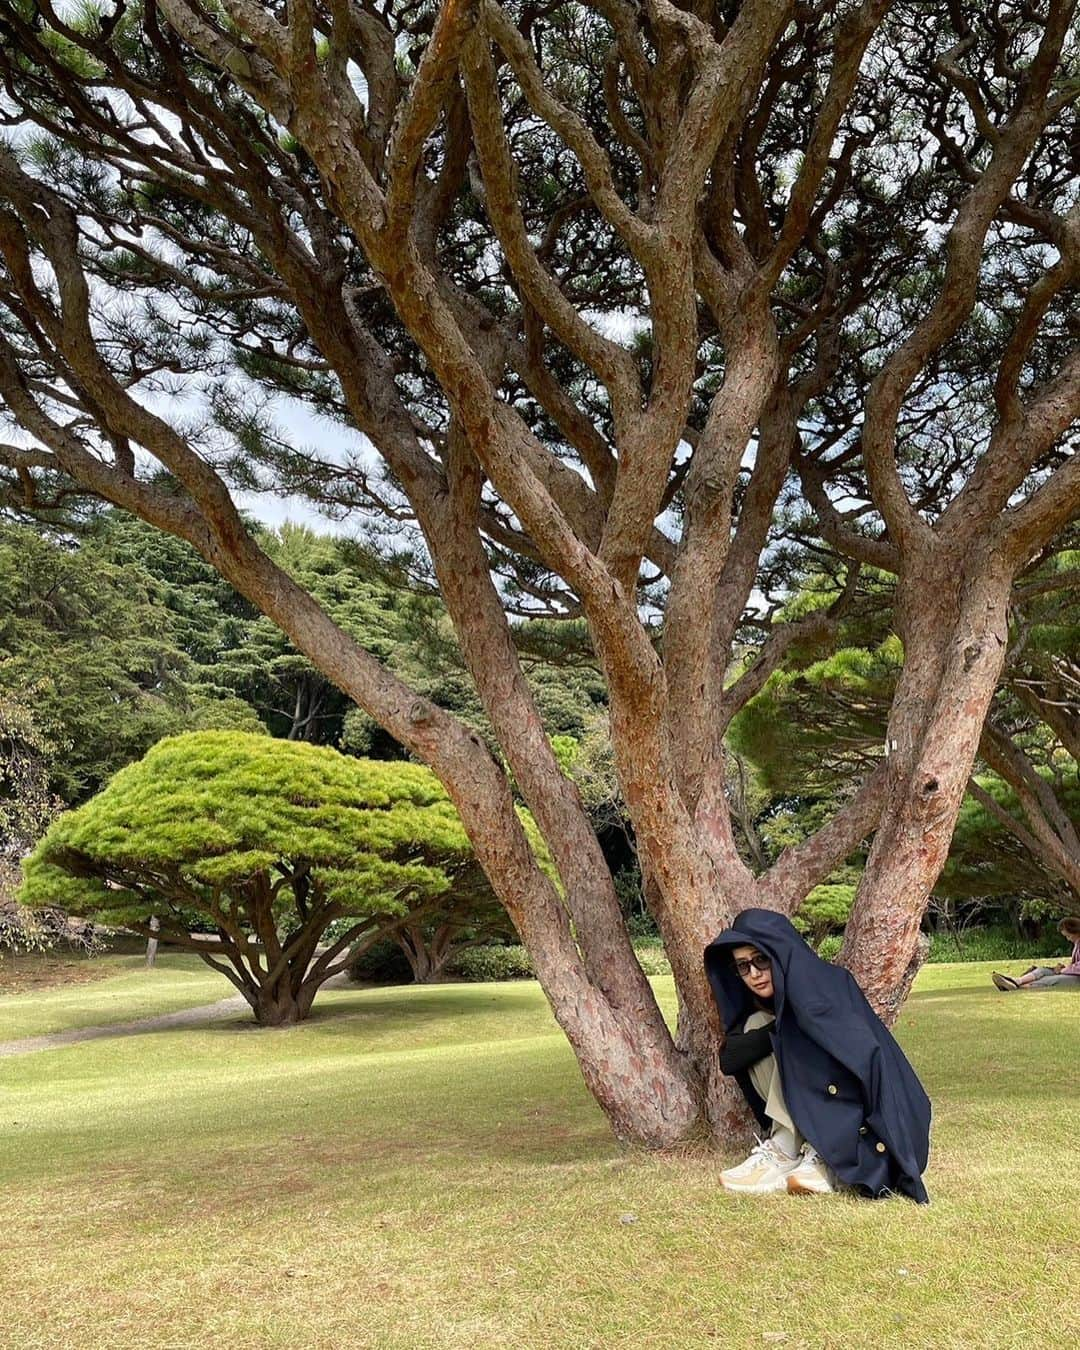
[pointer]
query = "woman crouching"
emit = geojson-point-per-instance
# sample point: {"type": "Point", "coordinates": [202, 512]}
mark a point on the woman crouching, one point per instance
{"type": "Point", "coordinates": [837, 1100]}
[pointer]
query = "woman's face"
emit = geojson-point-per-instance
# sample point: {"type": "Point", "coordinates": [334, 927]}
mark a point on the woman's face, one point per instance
{"type": "Point", "coordinates": [759, 982]}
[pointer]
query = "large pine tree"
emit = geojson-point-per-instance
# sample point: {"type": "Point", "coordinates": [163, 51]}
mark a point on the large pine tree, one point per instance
{"type": "Point", "coordinates": [600, 285]}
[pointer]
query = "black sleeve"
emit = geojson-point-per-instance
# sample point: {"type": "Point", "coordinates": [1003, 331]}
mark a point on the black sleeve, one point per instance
{"type": "Point", "coordinates": [742, 1049]}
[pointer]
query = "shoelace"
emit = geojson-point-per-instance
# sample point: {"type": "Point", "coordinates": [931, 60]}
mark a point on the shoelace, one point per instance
{"type": "Point", "coordinates": [767, 1149]}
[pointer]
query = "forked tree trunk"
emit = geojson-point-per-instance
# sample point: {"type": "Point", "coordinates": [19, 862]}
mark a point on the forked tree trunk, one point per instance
{"type": "Point", "coordinates": [951, 613]}
{"type": "Point", "coordinates": [418, 952]}
{"type": "Point", "coordinates": [420, 963]}
{"type": "Point", "coordinates": [428, 958]}
{"type": "Point", "coordinates": [282, 1001]}
{"type": "Point", "coordinates": [278, 1006]}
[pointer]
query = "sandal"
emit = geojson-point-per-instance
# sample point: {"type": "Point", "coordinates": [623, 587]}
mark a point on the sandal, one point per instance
{"type": "Point", "coordinates": [1004, 982]}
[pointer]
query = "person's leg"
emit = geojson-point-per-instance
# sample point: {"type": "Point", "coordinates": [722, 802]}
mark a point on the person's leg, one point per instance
{"type": "Point", "coordinates": [1054, 981]}
{"type": "Point", "coordinates": [1010, 982]}
{"type": "Point", "coordinates": [784, 1161]}
{"type": "Point", "coordinates": [765, 1076]}
{"type": "Point", "coordinates": [766, 1169]}
{"type": "Point", "coordinates": [809, 1176]}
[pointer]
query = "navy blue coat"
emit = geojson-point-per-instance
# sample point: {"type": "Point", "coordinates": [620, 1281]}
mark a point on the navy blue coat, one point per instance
{"type": "Point", "coordinates": [847, 1084]}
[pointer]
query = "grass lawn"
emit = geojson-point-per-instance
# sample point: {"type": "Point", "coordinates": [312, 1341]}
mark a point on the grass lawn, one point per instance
{"type": "Point", "coordinates": [424, 1168]}
{"type": "Point", "coordinates": [123, 991]}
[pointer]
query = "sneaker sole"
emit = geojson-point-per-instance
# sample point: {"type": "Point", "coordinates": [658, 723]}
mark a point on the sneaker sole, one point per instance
{"type": "Point", "coordinates": [797, 1187]}
{"type": "Point", "coordinates": [765, 1188]}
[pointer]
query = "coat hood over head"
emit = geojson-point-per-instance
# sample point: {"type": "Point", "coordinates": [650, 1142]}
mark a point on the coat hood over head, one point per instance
{"type": "Point", "coordinates": [771, 933]}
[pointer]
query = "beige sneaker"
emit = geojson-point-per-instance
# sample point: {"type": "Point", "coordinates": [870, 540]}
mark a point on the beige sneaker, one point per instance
{"type": "Point", "coordinates": [764, 1171]}
{"type": "Point", "coordinates": [809, 1176]}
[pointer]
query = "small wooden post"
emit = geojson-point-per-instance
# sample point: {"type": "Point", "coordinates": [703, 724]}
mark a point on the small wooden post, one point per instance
{"type": "Point", "coordinates": [152, 942]}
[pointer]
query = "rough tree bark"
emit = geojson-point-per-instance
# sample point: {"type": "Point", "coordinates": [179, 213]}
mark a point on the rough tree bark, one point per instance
{"type": "Point", "coordinates": [952, 616]}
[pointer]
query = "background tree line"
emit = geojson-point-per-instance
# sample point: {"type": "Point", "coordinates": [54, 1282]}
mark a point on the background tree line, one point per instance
{"type": "Point", "coordinates": [113, 636]}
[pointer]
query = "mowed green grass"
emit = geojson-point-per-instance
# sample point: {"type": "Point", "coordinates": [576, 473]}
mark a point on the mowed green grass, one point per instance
{"type": "Point", "coordinates": [424, 1167]}
{"type": "Point", "coordinates": [177, 981]}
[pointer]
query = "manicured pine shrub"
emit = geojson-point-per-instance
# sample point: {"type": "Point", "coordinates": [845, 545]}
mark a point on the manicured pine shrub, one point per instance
{"type": "Point", "coordinates": [272, 844]}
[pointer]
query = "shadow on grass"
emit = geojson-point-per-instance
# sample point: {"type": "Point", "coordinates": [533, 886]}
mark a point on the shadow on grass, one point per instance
{"type": "Point", "coordinates": [353, 1012]}
{"type": "Point", "coordinates": [388, 1010]}
{"type": "Point", "coordinates": [509, 1101]}
{"type": "Point", "coordinates": [430, 1001]}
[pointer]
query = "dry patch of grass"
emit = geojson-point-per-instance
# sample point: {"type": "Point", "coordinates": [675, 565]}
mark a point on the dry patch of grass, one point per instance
{"type": "Point", "coordinates": [424, 1168]}
{"type": "Point", "coordinates": [31, 972]}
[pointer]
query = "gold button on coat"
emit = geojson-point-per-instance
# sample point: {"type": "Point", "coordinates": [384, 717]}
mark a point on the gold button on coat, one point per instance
{"type": "Point", "coordinates": [880, 1147]}
{"type": "Point", "coordinates": [832, 1089]}
{"type": "Point", "coordinates": [862, 1129]}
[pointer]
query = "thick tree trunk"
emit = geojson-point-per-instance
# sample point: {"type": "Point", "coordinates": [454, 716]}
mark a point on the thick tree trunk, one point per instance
{"type": "Point", "coordinates": [410, 938]}
{"type": "Point", "coordinates": [951, 613]}
{"type": "Point", "coordinates": [601, 945]}
{"type": "Point", "coordinates": [650, 1098]}
{"type": "Point", "coordinates": [278, 1006]}
{"type": "Point", "coordinates": [285, 997]}
{"type": "Point", "coordinates": [428, 959]}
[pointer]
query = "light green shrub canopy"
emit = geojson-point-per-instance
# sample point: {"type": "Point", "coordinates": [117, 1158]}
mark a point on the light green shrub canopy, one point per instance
{"type": "Point", "coordinates": [202, 814]}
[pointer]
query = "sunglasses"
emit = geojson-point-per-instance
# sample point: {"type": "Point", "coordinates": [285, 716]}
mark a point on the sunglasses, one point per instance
{"type": "Point", "coordinates": [759, 963]}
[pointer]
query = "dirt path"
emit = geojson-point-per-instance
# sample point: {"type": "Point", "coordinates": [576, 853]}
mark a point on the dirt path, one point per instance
{"type": "Point", "coordinates": [186, 1017]}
